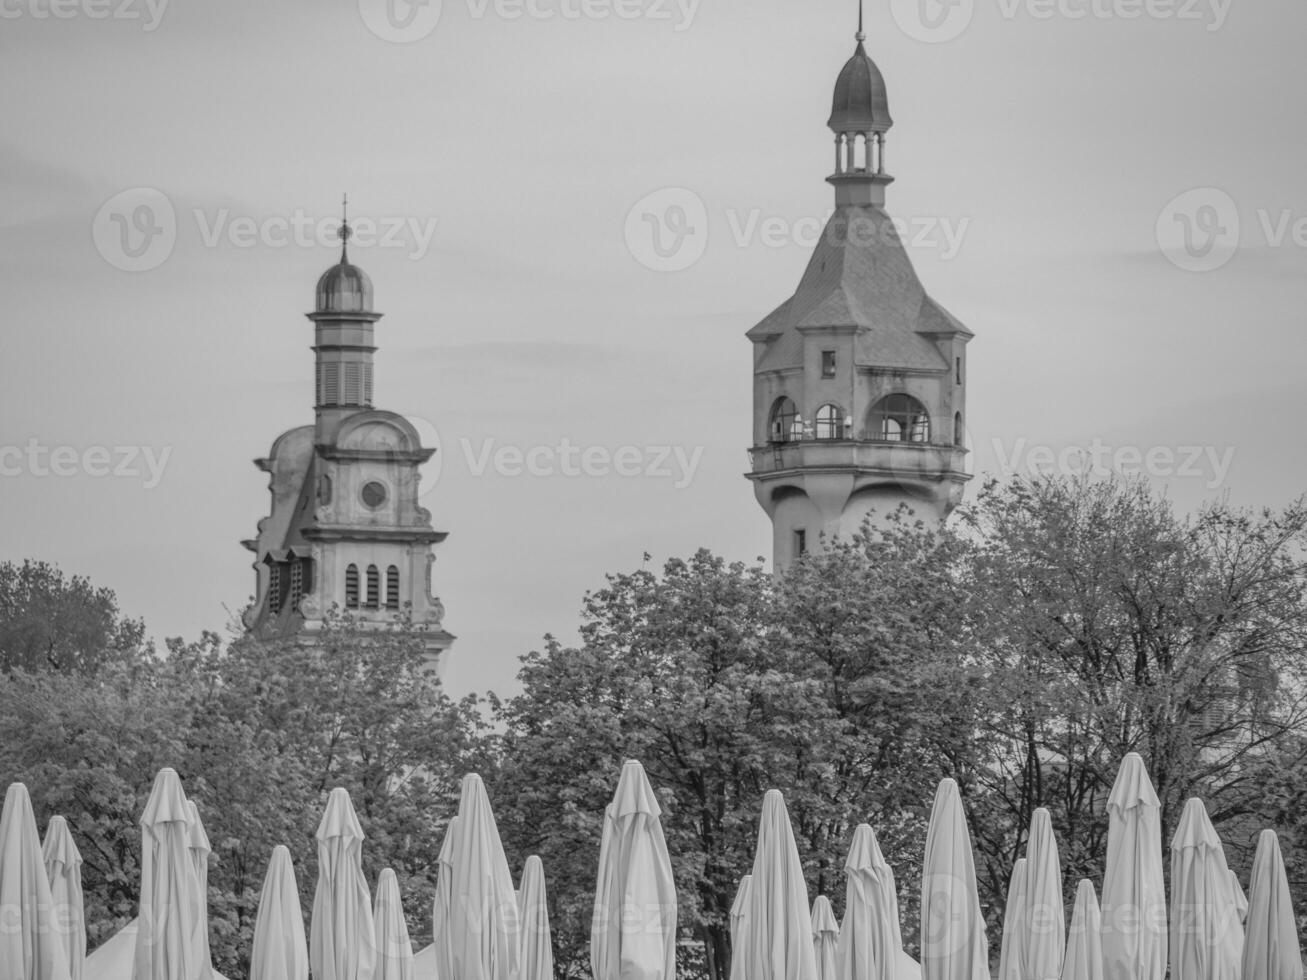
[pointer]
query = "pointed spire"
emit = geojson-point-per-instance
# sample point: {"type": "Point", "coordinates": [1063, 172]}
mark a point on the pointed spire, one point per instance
{"type": "Point", "coordinates": [861, 35]}
{"type": "Point", "coordinates": [345, 231]}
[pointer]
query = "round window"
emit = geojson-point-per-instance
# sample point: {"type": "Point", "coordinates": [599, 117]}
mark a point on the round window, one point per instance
{"type": "Point", "coordinates": [374, 494]}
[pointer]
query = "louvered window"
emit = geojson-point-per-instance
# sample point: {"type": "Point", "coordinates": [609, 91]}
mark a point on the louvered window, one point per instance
{"type": "Point", "coordinates": [367, 384]}
{"type": "Point", "coordinates": [392, 587]}
{"type": "Point", "coordinates": [274, 587]}
{"type": "Point", "coordinates": [374, 587]}
{"type": "Point", "coordinates": [330, 384]}
{"type": "Point", "coordinates": [352, 587]}
{"type": "Point", "coordinates": [353, 384]}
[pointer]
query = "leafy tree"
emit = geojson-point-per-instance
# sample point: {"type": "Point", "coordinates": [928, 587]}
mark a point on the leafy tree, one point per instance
{"type": "Point", "coordinates": [49, 621]}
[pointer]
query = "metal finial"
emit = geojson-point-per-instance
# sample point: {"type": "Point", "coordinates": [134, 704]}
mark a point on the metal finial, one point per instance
{"type": "Point", "coordinates": [860, 36]}
{"type": "Point", "coordinates": [345, 231]}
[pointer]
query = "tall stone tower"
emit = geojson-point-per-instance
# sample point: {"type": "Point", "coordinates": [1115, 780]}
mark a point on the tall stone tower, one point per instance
{"type": "Point", "coordinates": [346, 528]}
{"type": "Point", "coordinates": [859, 378]}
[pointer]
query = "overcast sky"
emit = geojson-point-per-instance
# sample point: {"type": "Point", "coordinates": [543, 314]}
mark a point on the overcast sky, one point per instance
{"type": "Point", "coordinates": [1110, 193]}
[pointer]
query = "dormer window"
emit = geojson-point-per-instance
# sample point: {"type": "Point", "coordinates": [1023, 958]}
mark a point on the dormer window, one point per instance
{"type": "Point", "coordinates": [828, 364]}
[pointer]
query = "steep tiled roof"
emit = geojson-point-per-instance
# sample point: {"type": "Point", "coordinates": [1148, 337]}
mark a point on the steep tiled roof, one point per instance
{"type": "Point", "coordinates": [860, 276]}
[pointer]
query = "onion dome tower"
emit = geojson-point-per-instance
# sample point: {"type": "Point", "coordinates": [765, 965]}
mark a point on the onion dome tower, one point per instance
{"type": "Point", "coordinates": [859, 396]}
{"type": "Point", "coordinates": [347, 531]}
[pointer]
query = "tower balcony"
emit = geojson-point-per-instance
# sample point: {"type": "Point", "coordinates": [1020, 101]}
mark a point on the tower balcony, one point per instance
{"type": "Point", "coordinates": [901, 461]}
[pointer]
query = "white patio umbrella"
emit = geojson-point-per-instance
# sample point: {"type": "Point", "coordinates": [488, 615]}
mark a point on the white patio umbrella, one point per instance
{"type": "Point", "coordinates": [442, 949]}
{"type": "Point", "coordinates": [63, 866]}
{"type": "Point", "coordinates": [1270, 949]}
{"type": "Point", "coordinates": [537, 938]}
{"type": "Point", "coordinates": [779, 929]}
{"type": "Point", "coordinates": [169, 943]}
{"type": "Point", "coordinates": [1084, 945]}
{"type": "Point", "coordinates": [280, 951]}
{"type": "Point", "coordinates": [342, 932]}
{"type": "Point", "coordinates": [825, 938]}
{"type": "Point", "coordinates": [483, 930]}
{"type": "Point", "coordinates": [200, 851]}
{"type": "Point", "coordinates": [1011, 951]}
{"type": "Point", "coordinates": [1045, 933]}
{"type": "Point", "coordinates": [31, 942]}
{"type": "Point", "coordinates": [394, 948]}
{"type": "Point", "coordinates": [869, 942]}
{"type": "Point", "coordinates": [1240, 899]}
{"type": "Point", "coordinates": [740, 926]}
{"type": "Point", "coordinates": [1134, 897]}
{"type": "Point", "coordinates": [953, 943]}
{"type": "Point", "coordinates": [633, 931]}
{"type": "Point", "coordinates": [1206, 936]}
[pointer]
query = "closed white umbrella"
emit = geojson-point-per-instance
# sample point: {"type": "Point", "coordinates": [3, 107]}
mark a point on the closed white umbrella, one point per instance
{"type": "Point", "coordinates": [442, 948]}
{"type": "Point", "coordinates": [394, 948]}
{"type": "Point", "coordinates": [342, 933]}
{"type": "Point", "coordinates": [740, 926]}
{"type": "Point", "coordinates": [537, 938]}
{"type": "Point", "coordinates": [1206, 936]}
{"type": "Point", "coordinates": [483, 931]}
{"type": "Point", "coordinates": [633, 931]}
{"type": "Point", "coordinates": [1011, 952]}
{"type": "Point", "coordinates": [825, 938]}
{"type": "Point", "coordinates": [1045, 933]}
{"type": "Point", "coordinates": [31, 942]}
{"type": "Point", "coordinates": [63, 866]}
{"type": "Point", "coordinates": [1134, 897]}
{"type": "Point", "coordinates": [200, 851]}
{"type": "Point", "coordinates": [953, 943]}
{"type": "Point", "coordinates": [1084, 945]}
{"type": "Point", "coordinates": [1270, 949]}
{"type": "Point", "coordinates": [869, 943]}
{"type": "Point", "coordinates": [169, 932]}
{"type": "Point", "coordinates": [280, 951]}
{"type": "Point", "coordinates": [779, 943]}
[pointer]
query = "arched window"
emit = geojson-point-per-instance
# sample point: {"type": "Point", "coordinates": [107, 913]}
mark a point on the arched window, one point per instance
{"type": "Point", "coordinates": [959, 436]}
{"type": "Point", "coordinates": [900, 418]}
{"type": "Point", "coordinates": [830, 423]}
{"type": "Point", "coordinates": [352, 587]}
{"type": "Point", "coordinates": [392, 587]}
{"type": "Point", "coordinates": [374, 587]}
{"type": "Point", "coordinates": [784, 415]}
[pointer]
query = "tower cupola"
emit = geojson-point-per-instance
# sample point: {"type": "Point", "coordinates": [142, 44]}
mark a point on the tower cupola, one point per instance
{"type": "Point", "coordinates": [860, 119]}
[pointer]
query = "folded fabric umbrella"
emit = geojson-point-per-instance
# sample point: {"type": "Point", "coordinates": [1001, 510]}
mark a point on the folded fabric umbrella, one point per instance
{"type": "Point", "coordinates": [869, 940]}
{"type": "Point", "coordinates": [537, 961]}
{"type": "Point", "coordinates": [1270, 949]}
{"type": "Point", "coordinates": [342, 932]}
{"type": "Point", "coordinates": [1045, 933]}
{"type": "Point", "coordinates": [1084, 945]}
{"type": "Point", "coordinates": [1206, 936]}
{"type": "Point", "coordinates": [442, 948]}
{"type": "Point", "coordinates": [739, 926]}
{"type": "Point", "coordinates": [633, 931]}
{"type": "Point", "coordinates": [280, 952]}
{"type": "Point", "coordinates": [170, 929]}
{"type": "Point", "coordinates": [200, 851]}
{"type": "Point", "coordinates": [394, 949]}
{"type": "Point", "coordinates": [779, 930]}
{"type": "Point", "coordinates": [1134, 897]}
{"type": "Point", "coordinates": [31, 941]}
{"type": "Point", "coordinates": [1011, 951]}
{"type": "Point", "coordinates": [63, 866]}
{"type": "Point", "coordinates": [953, 943]}
{"type": "Point", "coordinates": [483, 929]}
{"type": "Point", "coordinates": [825, 938]}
